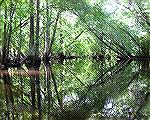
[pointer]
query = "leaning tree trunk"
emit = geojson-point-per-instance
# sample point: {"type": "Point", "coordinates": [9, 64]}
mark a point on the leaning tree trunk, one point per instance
{"type": "Point", "coordinates": [54, 31]}
{"type": "Point", "coordinates": [56, 88]}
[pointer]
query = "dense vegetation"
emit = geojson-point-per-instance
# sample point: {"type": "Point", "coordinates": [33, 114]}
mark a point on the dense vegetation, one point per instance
{"type": "Point", "coordinates": [45, 31]}
{"type": "Point", "coordinates": [32, 30]}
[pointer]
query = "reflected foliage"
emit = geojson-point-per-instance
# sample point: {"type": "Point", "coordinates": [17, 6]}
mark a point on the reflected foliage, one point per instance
{"type": "Point", "coordinates": [79, 89]}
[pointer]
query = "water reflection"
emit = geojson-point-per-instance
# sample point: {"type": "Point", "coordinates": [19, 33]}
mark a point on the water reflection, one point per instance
{"type": "Point", "coordinates": [77, 90]}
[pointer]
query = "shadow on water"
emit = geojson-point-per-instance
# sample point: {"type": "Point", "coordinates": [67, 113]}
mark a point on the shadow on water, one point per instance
{"type": "Point", "coordinates": [77, 90]}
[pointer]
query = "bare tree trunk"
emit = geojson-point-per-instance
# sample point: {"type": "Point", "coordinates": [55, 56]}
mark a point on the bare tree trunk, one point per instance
{"type": "Point", "coordinates": [47, 38]}
{"type": "Point", "coordinates": [37, 29]}
{"type": "Point", "coordinates": [8, 92]}
{"type": "Point", "coordinates": [32, 82]}
{"type": "Point", "coordinates": [39, 98]}
{"type": "Point", "coordinates": [37, 61]}
{"type": "Point", "coordinates": [5, 38]}
{"type": "Point", "coordinates": [30, 60]}
{"type": "Point", "coordinates": [48, 86]}
{"type": "Point", "coordinates": [31, 41]}
{"type": "Point", "coordinates": [12, 11]}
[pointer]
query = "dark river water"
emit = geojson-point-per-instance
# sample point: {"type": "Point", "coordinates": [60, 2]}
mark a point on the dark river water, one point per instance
{"type": "Point", "coordinates": [81, 89]}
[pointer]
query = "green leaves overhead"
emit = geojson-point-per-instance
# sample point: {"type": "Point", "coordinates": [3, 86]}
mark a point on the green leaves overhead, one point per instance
{"type": "Point", "coordinates": [84, 26]}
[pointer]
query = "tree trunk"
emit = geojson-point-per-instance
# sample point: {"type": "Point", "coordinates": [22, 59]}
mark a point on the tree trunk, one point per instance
{"type": "Point", "coordinates": [31, 41]}
{"type": "Point", "coordinates": [48, 86]}
{"type": "Point", "coordinates": [47, 39]}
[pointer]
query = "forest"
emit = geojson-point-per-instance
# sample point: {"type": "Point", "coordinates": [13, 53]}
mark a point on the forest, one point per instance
{"type": "Point", "coordinates": [75, 59]}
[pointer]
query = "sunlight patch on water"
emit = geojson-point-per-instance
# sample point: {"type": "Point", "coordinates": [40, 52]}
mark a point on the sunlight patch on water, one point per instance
{"type": "Point", "coordinates": [108, 105]}
{"type": "Point", "coordinates": [69, 98]}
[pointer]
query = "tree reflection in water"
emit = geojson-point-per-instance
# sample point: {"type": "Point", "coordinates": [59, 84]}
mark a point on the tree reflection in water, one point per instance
{"type": "Point", "coordinates": [76, 90]}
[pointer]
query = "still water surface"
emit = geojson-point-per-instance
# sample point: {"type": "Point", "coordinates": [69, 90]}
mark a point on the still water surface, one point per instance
{"type": "Point", "coordinates": [77, 90]}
